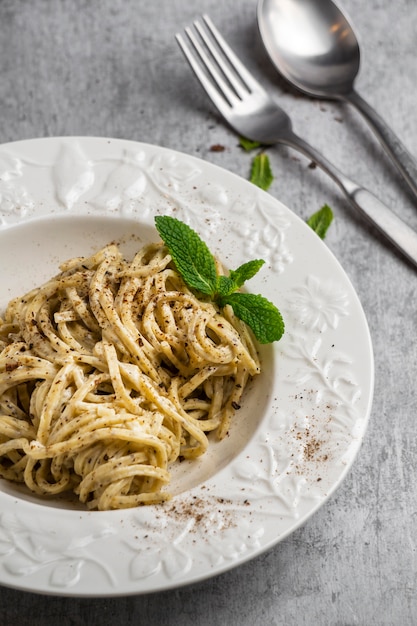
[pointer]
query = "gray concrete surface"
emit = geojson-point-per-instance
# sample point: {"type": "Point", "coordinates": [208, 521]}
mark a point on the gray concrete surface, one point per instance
{"type": "Point", "coordinates": [112, 68]}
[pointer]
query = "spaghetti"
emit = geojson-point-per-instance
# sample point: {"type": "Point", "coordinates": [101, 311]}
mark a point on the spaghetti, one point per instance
{"type": "Point", "coordinates": [109, 373]}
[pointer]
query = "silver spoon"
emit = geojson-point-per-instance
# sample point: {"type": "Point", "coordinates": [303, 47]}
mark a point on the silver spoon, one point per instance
{"type": "Point", "coordinates": [315, 48]}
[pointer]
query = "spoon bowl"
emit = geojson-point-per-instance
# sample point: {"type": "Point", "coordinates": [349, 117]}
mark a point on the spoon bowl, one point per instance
{"type": "Point", "coordinates": [313, 45]}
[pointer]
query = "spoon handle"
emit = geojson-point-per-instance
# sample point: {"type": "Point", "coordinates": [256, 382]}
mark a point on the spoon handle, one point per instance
{"type": "Point", "coordinates": [375, 211]}
{"type": "Point", "coordinates": [401, 157]}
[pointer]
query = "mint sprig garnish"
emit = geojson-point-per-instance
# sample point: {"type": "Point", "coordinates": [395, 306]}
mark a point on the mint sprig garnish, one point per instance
{"type": "Point", "coordinates": [190, 254]}
{"type": "Point", "coordinates": [321, 220]}
{"type": "Point", "coordinates": [258, 313]}
{"type": "Point", "coordinates": [197, 267]}
{"type": "Point", "coordinates": [246, 271]}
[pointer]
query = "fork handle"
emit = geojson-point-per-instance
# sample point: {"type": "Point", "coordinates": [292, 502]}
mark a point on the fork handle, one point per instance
{"type": "Point", "coordinates": [375, 211]}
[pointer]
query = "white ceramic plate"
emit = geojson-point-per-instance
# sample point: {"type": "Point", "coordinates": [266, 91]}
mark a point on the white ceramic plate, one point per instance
{"type": "Point", "coordinates": [302, 421]}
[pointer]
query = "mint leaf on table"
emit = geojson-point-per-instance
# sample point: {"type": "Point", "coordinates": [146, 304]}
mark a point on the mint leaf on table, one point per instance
{"type": "Point", "coordinates": [190, 254]}
{"type": "Point", "coordinates": [261, 173]}
{"type": "Point", "coordinates": [321, 220]}
{"type": "Point", "coordinates": [197, 267]}
{"type": "Point", "coordinates": [257, 312]}
{"type": "Point", "coordinates": [248, 144]}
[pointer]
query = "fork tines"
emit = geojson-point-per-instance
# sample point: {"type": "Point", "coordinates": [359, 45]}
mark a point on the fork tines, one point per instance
{"type": "Point", "coordinates": [217, 67]}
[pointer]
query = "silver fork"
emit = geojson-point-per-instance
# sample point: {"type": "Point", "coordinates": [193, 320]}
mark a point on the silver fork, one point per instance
{"type": "Point", "coordinates": [252, 113]}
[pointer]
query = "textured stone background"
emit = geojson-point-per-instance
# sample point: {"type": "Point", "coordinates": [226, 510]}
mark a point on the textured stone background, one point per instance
{"type": "Point", "coordinates": [112, 68]}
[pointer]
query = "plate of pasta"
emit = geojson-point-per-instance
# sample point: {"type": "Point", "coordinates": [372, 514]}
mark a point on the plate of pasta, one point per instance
{"type": "Point", "coordinates": [151, 436]}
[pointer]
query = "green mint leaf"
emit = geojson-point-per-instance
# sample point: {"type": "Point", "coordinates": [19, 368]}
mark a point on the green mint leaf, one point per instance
{"type": "Point", "coordinates": [321, 220]}
{"type": "Point", "coordinates": [228, 284]}
{"type": "Point", "coordinates": [248, 144]}
{"type": "Point", "coordinates": [190, 254]}
{"type": "Point", "coordinates": [261, 174]}
{"type": "Point", "coordinates": [258, 313]}
{"type": "Point", "coordinates": [197, 266]}
{"type": "Point", "coordinates": [225, 285]}
{"type": "Point", "coordinates": [246, 271]}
